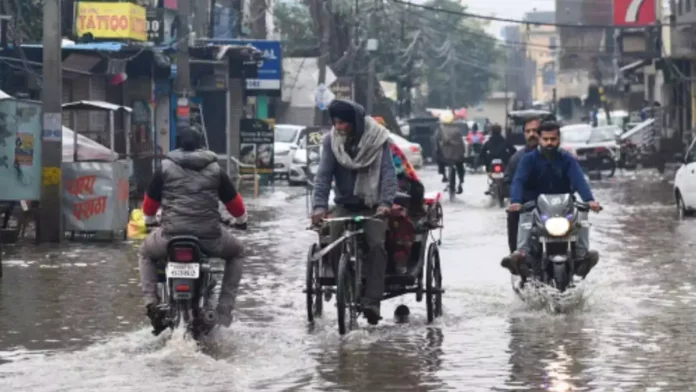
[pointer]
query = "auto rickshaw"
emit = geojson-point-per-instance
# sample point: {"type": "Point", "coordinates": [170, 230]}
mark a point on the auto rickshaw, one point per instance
{"type": "Point", "coordinates": [422, 131]}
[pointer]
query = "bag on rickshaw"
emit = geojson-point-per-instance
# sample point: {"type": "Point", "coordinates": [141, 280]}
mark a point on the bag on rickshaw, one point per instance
{"type": "Point", "coordinates": [401, 233]}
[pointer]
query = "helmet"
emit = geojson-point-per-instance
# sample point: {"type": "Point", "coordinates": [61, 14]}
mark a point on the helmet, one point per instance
{"type": "Point", "coordinates": [446, 117]}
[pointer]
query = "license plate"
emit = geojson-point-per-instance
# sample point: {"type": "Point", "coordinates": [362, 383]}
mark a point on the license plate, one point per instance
{"type": "Point", "coordinates": [582, 158]}
{"type": "Point", "coordinates": [183, 270]}
{"type": "Point", "coordinates": [497, 175]}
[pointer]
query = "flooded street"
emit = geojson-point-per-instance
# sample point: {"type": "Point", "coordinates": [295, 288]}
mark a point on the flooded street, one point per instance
{"type": "Point", "coordinates": [71, 318]}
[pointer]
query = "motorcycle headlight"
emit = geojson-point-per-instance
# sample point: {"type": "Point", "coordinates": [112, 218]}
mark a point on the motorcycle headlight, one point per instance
{"type": "Point", "coordinates": [557, 227]}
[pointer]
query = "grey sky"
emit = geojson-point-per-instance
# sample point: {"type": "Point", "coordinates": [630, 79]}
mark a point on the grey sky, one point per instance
{"type": "Point", "coordinates": [514, 9]}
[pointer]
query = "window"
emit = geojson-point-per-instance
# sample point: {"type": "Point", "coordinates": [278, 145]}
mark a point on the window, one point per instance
{"type": "Point", "coordinates": [552, 43]}
{"type": "Point", "coordinates": [691, 154]}
{"type": "Point", "coordinates": [688, 5]}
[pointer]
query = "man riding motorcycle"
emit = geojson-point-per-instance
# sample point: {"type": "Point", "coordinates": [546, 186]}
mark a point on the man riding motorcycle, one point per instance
{"type": "Point", "coordinates": [548, 170]}
{"type": "Point", "coordinates": [496, 147]}
{"type": "Point", "coordinates": [189, 186]}
{"type": "Point", "coordinates": [450, 148]}
{"type": "Point", "coordinates": [357, 157]}
{"type": "Point", "coordinates": [531, 136]}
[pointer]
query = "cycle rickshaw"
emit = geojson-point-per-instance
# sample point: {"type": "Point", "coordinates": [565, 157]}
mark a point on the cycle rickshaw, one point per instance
{"type": "Point", "coordinates": [346, 280]}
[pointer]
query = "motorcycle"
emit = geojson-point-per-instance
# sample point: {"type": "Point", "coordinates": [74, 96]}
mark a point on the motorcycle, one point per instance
{"type": "Point", "coordinates": [496, 187]}
{"type": "Point", "coordinates": [629, 155]}
{"type": "Point", "coordinates": [555, 227]}
{"type": "Point", "coordinates": [185, 286]}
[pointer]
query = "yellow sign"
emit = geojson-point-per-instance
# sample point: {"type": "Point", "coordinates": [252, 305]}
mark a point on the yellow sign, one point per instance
{"type": "Point", "coordinates": [50, 176]}
{"type": "Point", "coordinates": [111, 20]}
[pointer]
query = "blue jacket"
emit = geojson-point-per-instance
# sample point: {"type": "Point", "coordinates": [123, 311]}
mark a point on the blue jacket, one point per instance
{"type": "Point", "coordinates": [536, 175]}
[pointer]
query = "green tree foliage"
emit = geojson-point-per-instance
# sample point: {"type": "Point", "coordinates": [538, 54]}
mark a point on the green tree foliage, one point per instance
{"type": "Point", "coordinates": [450, 54]}
{"type": "Point", "coordinates": [26, 24]}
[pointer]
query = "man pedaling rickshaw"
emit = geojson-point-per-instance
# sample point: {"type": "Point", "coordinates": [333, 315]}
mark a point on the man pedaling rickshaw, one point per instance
{"type": "Point", "coordinates": [357, 157]}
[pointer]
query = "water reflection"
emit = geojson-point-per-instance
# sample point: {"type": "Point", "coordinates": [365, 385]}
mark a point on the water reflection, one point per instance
{"type": "Point", "coordinates": [405, 361]}
{"type": "Point", "coordinates": [547, 352]}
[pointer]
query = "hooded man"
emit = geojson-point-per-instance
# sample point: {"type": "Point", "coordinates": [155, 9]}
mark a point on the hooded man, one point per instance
{"type": "Point", "coordinates": [189, 187]}
{"type": "Point", "coordinates": [356, 156]}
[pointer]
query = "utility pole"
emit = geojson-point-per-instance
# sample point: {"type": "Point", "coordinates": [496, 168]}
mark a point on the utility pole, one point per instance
{"type": "Point", "coordinates": [211, 22]}
{"type": "Point", "coordinates": [50, 227]}
{"type": "Point", "coordinates": [324, 19]}
{"type": "Point", "coordinates": [182, 84]}
{"type": "Point", "coordinates": [372, 46]}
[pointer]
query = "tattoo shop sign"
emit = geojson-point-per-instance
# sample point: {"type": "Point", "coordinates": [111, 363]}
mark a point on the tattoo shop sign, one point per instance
{"type": "Point", "coordinates": [95, 196]}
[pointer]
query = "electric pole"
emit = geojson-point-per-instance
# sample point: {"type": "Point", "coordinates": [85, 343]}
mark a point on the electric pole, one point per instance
{"type": "Point", "coordinates": [50, 227]}
{"type": "Point", "coordinates": [323, 59]}
{"type": "Point", "coordinates": [182, 84]}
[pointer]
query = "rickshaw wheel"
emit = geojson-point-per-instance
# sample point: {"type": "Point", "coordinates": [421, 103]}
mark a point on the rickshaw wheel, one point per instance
{"type": "Point", "coordinates": [345, 297]}
{"type": "Point", "coordinates": [315, 301]}
{"type": "Point", "coordinates": [433, 288]}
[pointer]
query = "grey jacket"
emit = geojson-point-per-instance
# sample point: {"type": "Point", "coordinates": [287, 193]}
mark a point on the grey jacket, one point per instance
{"type": "Point", "coordinates": [190, 194]}
{"type": "Point", "coordinates": [329, 169]}
{"type": "Point", "coordinates": [450, 144]}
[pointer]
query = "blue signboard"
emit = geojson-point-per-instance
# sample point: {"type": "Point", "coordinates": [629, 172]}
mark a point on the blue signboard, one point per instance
{"type": "Point", "coordinates": [270, 71]}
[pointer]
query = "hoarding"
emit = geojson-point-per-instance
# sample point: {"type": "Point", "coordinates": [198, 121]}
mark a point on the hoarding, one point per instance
{"type": "Point", "coordinates": [629, 13]}
{"type": "Point", "coordinates": [121, 21]}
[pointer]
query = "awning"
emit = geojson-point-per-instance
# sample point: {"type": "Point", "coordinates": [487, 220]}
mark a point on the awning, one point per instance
{"type": "Point", "coordinates": [95, 105]}
{"type": "Point", "coordinates": [4, 95]}
{"type": "Point", "coordinates": [634, 66]}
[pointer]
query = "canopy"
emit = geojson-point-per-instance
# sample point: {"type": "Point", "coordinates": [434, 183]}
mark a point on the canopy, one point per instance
{"type": "Point", "coordinates": [87, 149]}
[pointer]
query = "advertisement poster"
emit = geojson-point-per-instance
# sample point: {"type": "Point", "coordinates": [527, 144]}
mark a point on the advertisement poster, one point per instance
{"type": "Point", "coordinates": [256, 145]}
{"type": "Point", "coordinates": [20, 154]}
{"type": "Point", "coordinates": [24, 149]}
{"type": "Point", "coordinates": [95, 196]}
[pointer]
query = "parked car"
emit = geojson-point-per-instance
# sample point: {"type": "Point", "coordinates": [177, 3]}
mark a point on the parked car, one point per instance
{"type": "Point", "coordinates": [595, 148]}
{"type": "Point", "coordinates": [685, 183]}
{"type": "Point", "coordinates": [297, 174]}
{"type": "Point", "coordinates": [413, 151]}
{"type": "Point", "coordinates": [286, 143]}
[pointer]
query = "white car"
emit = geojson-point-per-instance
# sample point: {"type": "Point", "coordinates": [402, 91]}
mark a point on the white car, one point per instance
{"type": "Point", "coordinates": [413, 151]}
{"type": "Point", "coordinates": [591, 144]}
{"type": "Point", "coordinates": [685, 183]}
{"type": "Point", "coordinates": [286, 143]}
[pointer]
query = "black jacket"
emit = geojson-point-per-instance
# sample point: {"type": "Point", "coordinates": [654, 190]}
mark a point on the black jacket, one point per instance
{"type": "Point", "coordinates": [496, 148]}
{"type": "Point", "coordinates": [512, 167]}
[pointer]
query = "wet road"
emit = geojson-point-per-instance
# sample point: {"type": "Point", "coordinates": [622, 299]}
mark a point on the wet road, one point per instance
{"type": "Point", "coordinates": [70, 318]}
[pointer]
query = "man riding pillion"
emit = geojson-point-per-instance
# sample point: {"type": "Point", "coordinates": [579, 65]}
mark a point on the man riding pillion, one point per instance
{"type": "Point", "coordinates": [548, 170]}
{"type": "Point", "coordinates": [189, 187]}
{"type": "Point", "coordinates": [531, 136]}
{"type": "Point", "coordinates": [357, 157]}
{"type": "Point", "coordinates": [450, 148]}
{"type": "Point", "coordinates": [496, 147]}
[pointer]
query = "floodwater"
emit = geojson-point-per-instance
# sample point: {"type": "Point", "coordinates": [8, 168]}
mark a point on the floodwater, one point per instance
{"type": "Point", "coordinates": [71, 317]}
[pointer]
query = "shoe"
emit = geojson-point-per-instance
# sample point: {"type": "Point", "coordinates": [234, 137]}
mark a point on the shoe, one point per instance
{"type": "Point", "coordinates": [487, 193]}
{"type": "Point", "coordinates": [224, 316]}
{"type": "Point", "coordinates": [157, 318]}
{"type": "Point", "coordinates": [460, 189]}
{"type": "Point", "coordinates": [445, 180]}
{"type": "Point", "coordinates": [401, 270]}
{"type": "Point", "coordinates": [516, 264]}
{"type": "Point", "coordinates": [371, 312]}
{"type": "Point", "coordinates": [585, 264]}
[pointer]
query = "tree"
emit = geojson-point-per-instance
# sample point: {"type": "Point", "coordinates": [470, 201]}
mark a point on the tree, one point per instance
{"type": "Point", "coordinates": [451, 55]}
{"type": "Point", "coordinates": [27, 22]}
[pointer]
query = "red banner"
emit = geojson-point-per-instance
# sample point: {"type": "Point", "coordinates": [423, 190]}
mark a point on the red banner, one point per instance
{"type": "Point", "coordinates": [634, 12]}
